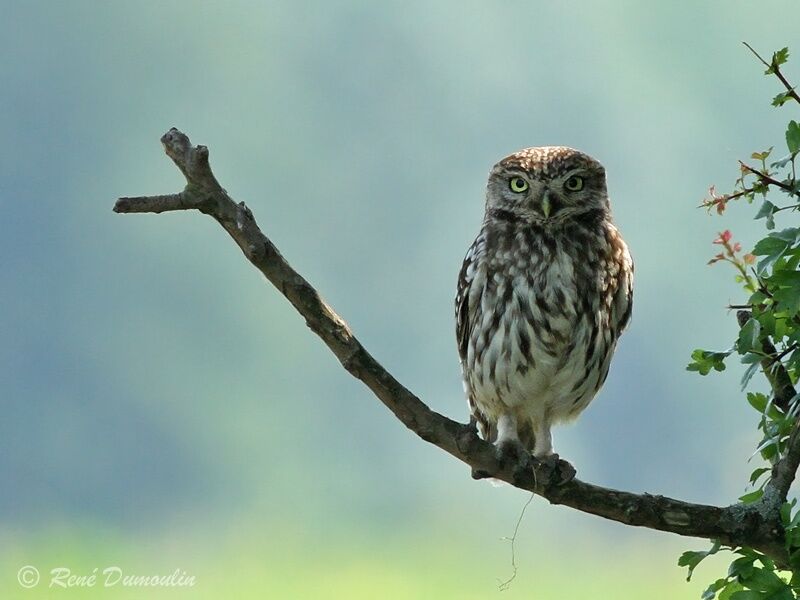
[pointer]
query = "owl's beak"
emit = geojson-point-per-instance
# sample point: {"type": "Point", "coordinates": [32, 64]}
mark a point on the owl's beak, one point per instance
{"type": "Point", "coordinates": [546, 205]}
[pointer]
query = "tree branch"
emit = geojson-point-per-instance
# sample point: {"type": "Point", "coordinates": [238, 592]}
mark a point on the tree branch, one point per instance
{"type": "Point", "coordinates": [733, 525]}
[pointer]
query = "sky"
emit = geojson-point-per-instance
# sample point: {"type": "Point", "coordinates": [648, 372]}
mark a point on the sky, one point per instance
{"type": "Point", "coordinates": [164, 407]}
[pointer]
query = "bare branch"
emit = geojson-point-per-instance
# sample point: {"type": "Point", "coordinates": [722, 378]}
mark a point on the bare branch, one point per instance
{"type": "Point", "coordinates": [153, 204]}
{"type": "Point", "coordinates": [733, 525]}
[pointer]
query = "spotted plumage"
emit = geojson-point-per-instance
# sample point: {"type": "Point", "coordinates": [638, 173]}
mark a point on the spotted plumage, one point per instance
{"type": "Point", "coordinates": [544, 292]}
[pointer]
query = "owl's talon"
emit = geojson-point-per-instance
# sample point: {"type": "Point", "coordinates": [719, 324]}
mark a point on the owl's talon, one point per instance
{"type": "Point", "coordinates": [565, 471]}
{"type": "Point", "coordinates": [514, 454]}
{"type": "Point", "coordinates": [560, 471]}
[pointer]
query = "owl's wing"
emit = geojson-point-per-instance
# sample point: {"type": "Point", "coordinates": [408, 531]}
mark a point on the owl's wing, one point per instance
{"type": "Point", "coordinates": [623, 297]}
{"type": "Point", "coordinates": [465, 279]}
{"type": "Point", "coordinates": [465, 315]}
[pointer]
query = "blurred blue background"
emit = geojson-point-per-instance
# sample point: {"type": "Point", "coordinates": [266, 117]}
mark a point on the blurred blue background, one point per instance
{"type": "Point", "coordinates": [163, 408]}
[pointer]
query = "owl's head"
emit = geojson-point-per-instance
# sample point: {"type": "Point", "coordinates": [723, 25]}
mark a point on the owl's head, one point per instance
{"type": "Point", "coordinates": [547, 186]}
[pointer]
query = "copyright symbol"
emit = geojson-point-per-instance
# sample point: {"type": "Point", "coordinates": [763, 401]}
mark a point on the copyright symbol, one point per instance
{"type": "Point", "coordinates": [28, 576]}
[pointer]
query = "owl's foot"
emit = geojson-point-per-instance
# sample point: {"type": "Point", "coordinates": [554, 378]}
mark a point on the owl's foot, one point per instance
{"type": "Point", "coordinates": [509, 453]}
{"type": "Point", "coordinates": [559, 470]}
{"type": "Point", "coordinates": [512, 453]}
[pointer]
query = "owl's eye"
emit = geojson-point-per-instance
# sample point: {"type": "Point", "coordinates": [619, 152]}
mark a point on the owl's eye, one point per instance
{"type": "Point", "coordinates": [574, 184]}
{"type": "Point", "coordinates": [517, 185]}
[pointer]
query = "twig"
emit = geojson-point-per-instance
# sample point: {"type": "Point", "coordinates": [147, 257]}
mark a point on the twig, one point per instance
{"type": "Point", "coordinates": [503, 586]}
{"type": "Point", "coordinates": [777, 71]}
{"type": "Point", "coordinates": [766, 178]}
{"type": "Point", "coordinates": [715, 200]}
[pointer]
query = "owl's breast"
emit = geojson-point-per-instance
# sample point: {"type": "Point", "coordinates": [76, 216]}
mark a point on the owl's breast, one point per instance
{"type": "Point", "coordinates": [535, 317]}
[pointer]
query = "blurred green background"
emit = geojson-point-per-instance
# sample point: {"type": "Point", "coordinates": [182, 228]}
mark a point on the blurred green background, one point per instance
{"type": "Point", "coordinates": [165, 409]}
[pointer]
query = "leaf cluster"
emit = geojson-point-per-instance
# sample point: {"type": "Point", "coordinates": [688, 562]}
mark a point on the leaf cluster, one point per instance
{"type": "Point", "coordinates": [751, 576]}
{"type": "Point", "coordinates": [768, 341]}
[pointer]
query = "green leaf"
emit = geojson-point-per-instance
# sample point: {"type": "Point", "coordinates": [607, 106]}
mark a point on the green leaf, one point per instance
{"type": "Point", "coordinates": [767, 210]}
{"type": "Point", "coordinates": [781, 162]}
{"type": "Point", "coordinates": [756, 474]}
{"type": "Point", "coordinates": [767, 321]}
{"type": "Point", "coordinates": [793, 137]}
{"type": "Point", "coordinates": [759, 186]}
{"type": "Point", "coordinates": [788, 299]}
{"type": "Point", "coordinates": [781, 329]}
{"type": "Point", "coordinates": [741, 567]}
{"type": "Point", "coordinates": [778, 58]}
{"type": "Point", "coordinates": [768, 450]}
{"type": "Point", "coordinates": [749, 595]}
{"type": "Point", "coordinates": [786, 513]}
{"type": "Point", "coordinates": [782, 98]}
{"type": "Point", "coordinates": [751, 359]}
{"type": "Point", "coordinates": [793, 541]}
{"type": "Point", "coordinates": [757, 401]}
{"type": "Point", "coordinates": [730, 589]}
{"type": "Point", "coordinates": [749, 337]}
{"type": "Point", "coordinates": [784, 283]}
{"type": "Point", "coordinates": [761, 155]}
{"type": "Point", "coordinates": [790, 234]}
{"type": "Point", "coordinates": [763, 580]}
{"type": "Point", "coordinates": [704, 360]}
{"type": "Point", "coordinates": [751, 497]}
{"type": "Point", "coordinates": [711, 591]}
{"type": "Point", "coordinates": [692, 558]}
{"type": "Point", "coordinates": [754, 362]}
{"type": "Point", "coordinates": [770, 246]}
{"type": "Point", "coordinates": [783, 277]}
{"type": "Point", "coordinates": [767, 562]}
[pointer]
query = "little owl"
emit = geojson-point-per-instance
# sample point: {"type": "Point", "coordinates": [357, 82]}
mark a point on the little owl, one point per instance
{"type": "Point", "coordinates": [543, 295]}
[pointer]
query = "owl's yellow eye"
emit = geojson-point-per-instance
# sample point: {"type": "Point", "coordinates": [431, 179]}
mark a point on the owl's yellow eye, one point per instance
{"type": "Point", "coordinates": [517, 185]}
{"type": "Point", "coordinates": [574, 184]}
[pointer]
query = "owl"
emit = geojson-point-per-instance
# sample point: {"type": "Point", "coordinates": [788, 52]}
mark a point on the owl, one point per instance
{"type": "Point", "coordinates": [543, 295]}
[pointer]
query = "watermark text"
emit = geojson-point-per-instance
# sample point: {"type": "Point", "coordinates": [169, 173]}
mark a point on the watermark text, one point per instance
{"type": "Point", "coordinates": [107, 577]}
